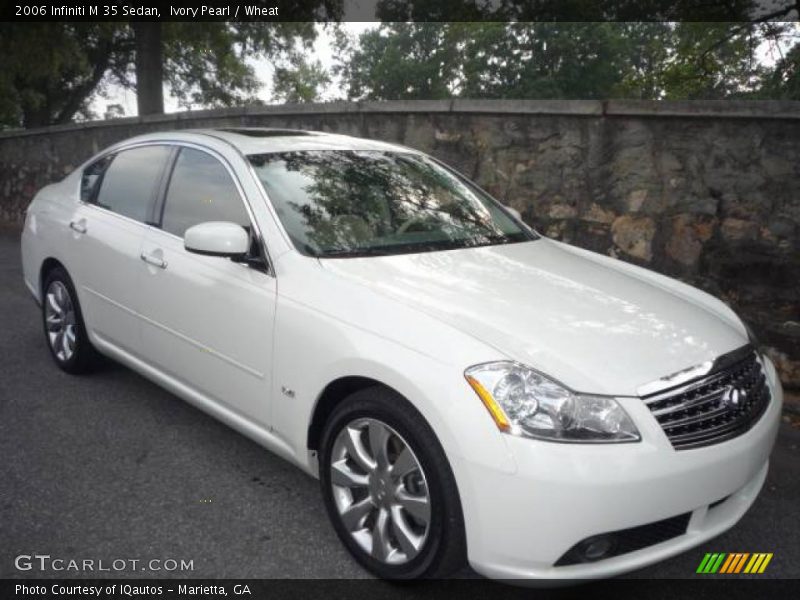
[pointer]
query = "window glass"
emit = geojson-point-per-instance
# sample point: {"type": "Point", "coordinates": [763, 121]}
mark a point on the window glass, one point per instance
{"type": "Point", "coordinates": [129, 182]}
{"type": "Point", "coordinates": [201, 190]}
{"type": "Point", "coordinates": [91, 177]}
{"type": "Point", "coordinates": [343, 203]}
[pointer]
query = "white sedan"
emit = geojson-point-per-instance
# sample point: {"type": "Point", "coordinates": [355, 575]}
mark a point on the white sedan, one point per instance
{"type": "Point", "coordinates": [463, 388]}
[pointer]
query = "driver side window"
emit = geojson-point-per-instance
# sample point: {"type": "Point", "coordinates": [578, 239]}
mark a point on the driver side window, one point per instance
{"type": "Point", "coordinates": [200, 189]}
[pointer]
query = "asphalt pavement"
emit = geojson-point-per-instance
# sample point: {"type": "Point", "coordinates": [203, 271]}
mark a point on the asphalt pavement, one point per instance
{"type": "Point", "coordinates": [109, 466]}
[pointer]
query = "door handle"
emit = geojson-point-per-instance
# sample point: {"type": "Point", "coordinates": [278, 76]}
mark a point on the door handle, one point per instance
{"type": "Point", "coordinates": [154, 260]}
{"type": "Point", "coordinates": [79, 226]}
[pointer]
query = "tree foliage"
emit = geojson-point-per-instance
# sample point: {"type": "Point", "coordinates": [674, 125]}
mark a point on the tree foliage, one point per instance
{"type": "Point", "coordinates": [401, 61]}
{"type": "Point", "coordinates": [301, 80]}
{"type": "Point", "coordinates": [52, 71]}
{"type": "Point", "coordinates": [559, 60]}
{"type": "Point", "coordinates": [556, 60]}
{"type": "Point", "coordinates": [782, 82]}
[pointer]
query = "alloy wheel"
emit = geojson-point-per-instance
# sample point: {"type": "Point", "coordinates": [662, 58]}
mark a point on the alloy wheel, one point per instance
{"type": "Point", "coordinates": [60, 321]}
{"type": "Point", "coordinates": [380, 491]}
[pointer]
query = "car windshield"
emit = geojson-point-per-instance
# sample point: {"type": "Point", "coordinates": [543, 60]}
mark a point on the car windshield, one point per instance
{"type": "Point", "coordinates": [345, 203]}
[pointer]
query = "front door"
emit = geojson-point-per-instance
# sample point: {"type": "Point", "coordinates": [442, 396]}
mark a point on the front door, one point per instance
{"type": "Point", "coordinates": [207, 321]}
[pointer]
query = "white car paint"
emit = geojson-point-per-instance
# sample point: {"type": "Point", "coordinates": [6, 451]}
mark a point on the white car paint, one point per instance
{"type": "Point", "coordinates": [215, 237]}
{"type": "Point", "coordinates": [258, 349]}
{"type": "Point", "coordinates": [544, 305]}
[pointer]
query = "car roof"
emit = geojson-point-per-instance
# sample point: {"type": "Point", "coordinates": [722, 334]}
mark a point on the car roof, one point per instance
{"type": "Point", "coordinates": [261, 140]}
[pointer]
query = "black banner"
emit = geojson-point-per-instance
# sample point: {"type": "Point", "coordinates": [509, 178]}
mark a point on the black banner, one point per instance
{"type": "Point", "coordinates": [402, 10]}
{"type": "Point", "coordinates": [461, 589]}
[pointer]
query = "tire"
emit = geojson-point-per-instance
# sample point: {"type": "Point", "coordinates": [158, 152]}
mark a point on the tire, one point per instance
{"type": "Point", "coordinates": [415, 542]}
{"type": "Point", "coordinates": [64, 328]}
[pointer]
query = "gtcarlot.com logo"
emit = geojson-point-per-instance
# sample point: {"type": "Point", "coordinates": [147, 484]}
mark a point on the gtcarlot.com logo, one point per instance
{"type": "Point", "coordinates": [44, 562]}
{"type": "Point", "coordinates": [734, 563]}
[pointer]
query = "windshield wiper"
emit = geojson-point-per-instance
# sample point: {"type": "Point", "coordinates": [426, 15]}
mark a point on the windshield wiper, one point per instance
{"type": "Point", "coordinates": [415, 247]}
{"type": "Point", "coordinates": [354, 253]}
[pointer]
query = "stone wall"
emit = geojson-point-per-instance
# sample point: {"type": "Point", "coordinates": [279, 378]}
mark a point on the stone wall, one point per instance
{"type": "Point", "coordinates": [708, 192]}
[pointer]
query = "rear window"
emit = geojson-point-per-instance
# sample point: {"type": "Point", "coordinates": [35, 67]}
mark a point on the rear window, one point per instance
{"type": "Point", "coordinates": [91, 177]}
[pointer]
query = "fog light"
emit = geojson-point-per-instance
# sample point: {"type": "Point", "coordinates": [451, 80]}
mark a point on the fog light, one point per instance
{"type": "Point", "coordinates": [597, 547]}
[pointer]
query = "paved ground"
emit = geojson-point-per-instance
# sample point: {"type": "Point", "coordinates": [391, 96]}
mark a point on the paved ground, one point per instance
{"type": "Point", "coordinates": [110, 466]}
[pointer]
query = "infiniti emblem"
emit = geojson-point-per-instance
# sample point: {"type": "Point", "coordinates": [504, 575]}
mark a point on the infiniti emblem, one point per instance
{"type": "Point", "coordinates": [732, 397]}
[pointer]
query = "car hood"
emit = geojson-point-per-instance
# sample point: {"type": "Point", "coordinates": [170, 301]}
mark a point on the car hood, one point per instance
{"type": "Point", "coordinates": [596, 324]}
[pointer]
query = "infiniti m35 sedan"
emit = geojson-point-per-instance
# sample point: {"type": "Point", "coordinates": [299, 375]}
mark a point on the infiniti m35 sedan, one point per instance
{"type": "Point", "coordinates": [465, 389]}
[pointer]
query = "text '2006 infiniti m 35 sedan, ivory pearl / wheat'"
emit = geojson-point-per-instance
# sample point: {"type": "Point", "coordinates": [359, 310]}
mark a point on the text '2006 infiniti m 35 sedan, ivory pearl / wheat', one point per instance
{"type": "Point", "coordinates": [463, 388]}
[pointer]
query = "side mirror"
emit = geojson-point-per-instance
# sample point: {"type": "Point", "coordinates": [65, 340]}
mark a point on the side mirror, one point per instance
{"type": "Point", "coordinates": [217, 238]}
{"type": "Point", "coordinates": [513, 211]}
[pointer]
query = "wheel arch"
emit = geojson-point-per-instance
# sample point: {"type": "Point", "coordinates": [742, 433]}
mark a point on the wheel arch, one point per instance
{"type": "Point", "coordinates": [333, 393]}
{"type": "Point", "coordinates": [48, 264]}
{"type": "Point", "coordinates": [417, 423]}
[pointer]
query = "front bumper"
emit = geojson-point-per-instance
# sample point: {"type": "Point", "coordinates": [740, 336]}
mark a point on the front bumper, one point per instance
{"type": "Point", "coordinates": [519, 524]}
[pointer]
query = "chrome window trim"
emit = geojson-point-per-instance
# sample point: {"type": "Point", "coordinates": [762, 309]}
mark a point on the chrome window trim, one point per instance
{"type": "Point", "coordinates": [106, 211]}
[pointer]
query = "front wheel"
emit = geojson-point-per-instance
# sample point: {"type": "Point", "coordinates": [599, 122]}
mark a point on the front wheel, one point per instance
{"type": "Point", "coordinates": [389, 490]}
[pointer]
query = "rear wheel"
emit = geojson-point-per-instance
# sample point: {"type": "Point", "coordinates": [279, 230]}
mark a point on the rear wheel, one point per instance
{"type": "Point", "coordinates": [389, 489]}
{"type": "Point", "coordinates": [63, 324]}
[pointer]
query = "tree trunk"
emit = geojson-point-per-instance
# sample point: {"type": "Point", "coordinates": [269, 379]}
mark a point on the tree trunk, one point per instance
{"type": "Point", "coordinates": [149, 68]}
{"type": "Point", "coordinates": [35, 117]}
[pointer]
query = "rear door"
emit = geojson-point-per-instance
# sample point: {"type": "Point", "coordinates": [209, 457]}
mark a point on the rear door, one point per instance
{"type": "Point", "coordinates": [118, 195]}
{"type": "Point", "coordinates": [207, 321]}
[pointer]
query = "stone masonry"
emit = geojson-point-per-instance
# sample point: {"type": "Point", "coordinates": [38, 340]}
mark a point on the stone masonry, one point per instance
{"type": "Point", "coordinates": [708, 192]}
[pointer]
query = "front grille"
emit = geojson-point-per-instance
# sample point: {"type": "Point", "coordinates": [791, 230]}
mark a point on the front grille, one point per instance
{"type": "Point", "coordinates": [630, 540]}
{"type": "Point", "coordinates": [716, 407]}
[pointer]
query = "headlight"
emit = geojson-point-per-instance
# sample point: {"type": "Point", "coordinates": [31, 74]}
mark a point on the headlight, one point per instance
{"type": "Point", "coordinates": [524, 402]}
